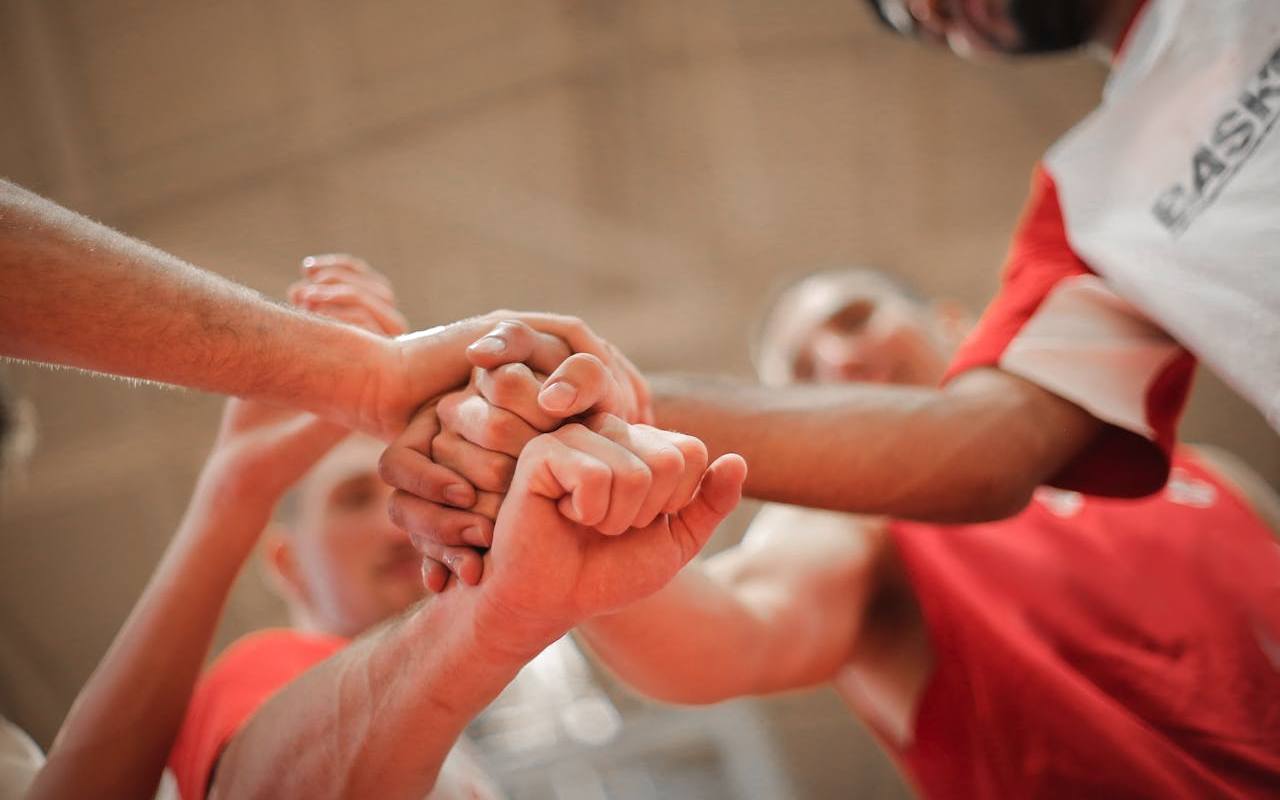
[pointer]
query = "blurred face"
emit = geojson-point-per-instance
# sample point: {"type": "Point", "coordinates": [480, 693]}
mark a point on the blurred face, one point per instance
{"type": "Point", "coordinates": [875, 340]}
{"type": "Point", "coordinates": [353, 568]}
{"type": "Point", "coordinates": [975, 27]}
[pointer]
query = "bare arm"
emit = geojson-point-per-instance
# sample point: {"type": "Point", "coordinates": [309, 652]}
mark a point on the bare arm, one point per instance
{"type": "Point", "coordinates": [786, 610]}
{"type": "Point", "coordinates": [972, 451]}
{"type": "Point", "coordinates": [77, 293]}
{"type": "Point", "coordinates": [144, 682]}
{"type": "Point", "coordinates": [378, 719]}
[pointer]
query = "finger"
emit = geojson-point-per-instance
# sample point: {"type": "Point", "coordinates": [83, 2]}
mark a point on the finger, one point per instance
{"type": "Point", "coordinates": [629, 480]}
{"type": "Point", "coordinates": [470, 416]}
{"type": "Point", "coordinates": [579, 384]}
{"type": "Point", "coordinates": [390, 321]}
{"type": "Point", "coordinates": [465, 563]}
{"type": "Point", "coordinates": [694, 453]}
{"type": "Point", "coordinates": [376, 286]}
{"type": "Point", "coordinates": [353, 265]}
{"type": "Point", "coordinates": [717, 495]}
{"type": "Point", "coordinates": [404, 465]}
{"type": "Point", "coordinates": [487, 470]}
{"type": "Point", "coordinates": [515, 387]}
{"type": "Point", "coordinates": [512, 342]}
{"type": "Point", "coordinates": [435, 575]}
{"type": "Point", "coordinates": [487, 505]}
{"type": "Point", "coordinates": [570, 330]}
{"type": "Point", "coordinates": [665, 462]}
{"type": "Point", "coordinates": [429, 523]}
{"type": "Point", "coordinates": [635, 380]}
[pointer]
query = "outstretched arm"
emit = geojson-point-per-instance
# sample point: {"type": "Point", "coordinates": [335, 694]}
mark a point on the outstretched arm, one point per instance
{"type": "Point", "coordinates": [77, 293]}
{"type": "Point", "coordinates": [974, 450]}
{"type": "Point", "coordinates": [783, 610]}
{"type": "Point", "coordinates": [144, 682]}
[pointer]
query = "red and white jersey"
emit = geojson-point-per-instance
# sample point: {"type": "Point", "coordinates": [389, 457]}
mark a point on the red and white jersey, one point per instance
{"type": "Point", "coordinates": [1154, 232]}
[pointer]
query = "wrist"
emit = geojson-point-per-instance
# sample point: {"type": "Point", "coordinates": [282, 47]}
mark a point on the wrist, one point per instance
{"type": "Point", "coordinates": [509, 634]}
{"type": "Point", "coordinates": [374, 399]}
{"type": "Point", "coordinates": [419, 367]}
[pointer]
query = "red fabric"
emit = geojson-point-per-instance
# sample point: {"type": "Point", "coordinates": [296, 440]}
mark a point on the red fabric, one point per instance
{"type": "Point", "coordinates": [1127, 34]}
{"type": "Point", "coordinates": [1118, 463]}
{"type": "Point", "coordinates": [242, 679]}
{"type": "Point", "coordinates": [1040, 258]}
{"type": "Point", "coordinates": [1119, 650]}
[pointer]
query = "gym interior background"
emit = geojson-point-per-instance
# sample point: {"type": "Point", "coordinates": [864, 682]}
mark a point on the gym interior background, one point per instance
{"type": "Point", "coordinates": [654, 166]}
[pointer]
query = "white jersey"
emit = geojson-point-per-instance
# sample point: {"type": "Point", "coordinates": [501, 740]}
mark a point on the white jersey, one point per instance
{"type": "Point", "coordinates": [1153, 233]}
{"type": "Point", "coordinates": [1170, 190]}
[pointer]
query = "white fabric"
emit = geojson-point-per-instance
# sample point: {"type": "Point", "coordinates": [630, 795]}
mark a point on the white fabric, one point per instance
{"type": "Point", "coordinates": [1196, 90]}
{"type": "Point", "coordinates": [20, 760]}
{"type": "Point", "coordinates": [1087, 345]}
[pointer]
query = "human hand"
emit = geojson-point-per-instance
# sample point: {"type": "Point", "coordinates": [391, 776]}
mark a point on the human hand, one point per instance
{"type": "Point", "coordinates": [262, 449]}
{"type": "Point", "coordinates": [420, 367]}
{"type": "Point", "coordinates": [600, 515]}
{"type": "Point", "coordinates": [452, 463]}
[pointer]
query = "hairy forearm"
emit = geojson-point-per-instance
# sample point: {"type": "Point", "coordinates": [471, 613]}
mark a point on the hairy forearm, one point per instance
{"type": "Point", "coordinates": [378, 718]}
{"type": "Point", "coordinates": [77, 293]}
{"type": "Point", "coordinates": [144, 682]}
{"type": "Point", "coordinates": [973, 451]}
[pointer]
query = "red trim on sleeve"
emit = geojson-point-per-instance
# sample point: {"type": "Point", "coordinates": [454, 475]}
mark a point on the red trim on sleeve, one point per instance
{"type": "Point", "coordinates": [1167, 397]}
{"type": "Point", "coordinates": [1039, 259]}
{"type": "Point", "coordinates": [1118, 462]}
{"type": "Point", "coordinates": [231, 691]}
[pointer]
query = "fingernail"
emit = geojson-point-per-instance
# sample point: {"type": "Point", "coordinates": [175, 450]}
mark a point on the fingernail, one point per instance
{"type": "Point", "coordinates": [490, 345]}
{"type": "Point", "coordinates": [558, 396]}
{"type": "Point", "coordinates": [473, 536]}
{"type": "Point", "coordinates": [458, 496]}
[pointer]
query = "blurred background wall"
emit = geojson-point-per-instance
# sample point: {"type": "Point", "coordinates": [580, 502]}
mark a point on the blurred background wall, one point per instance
{"type": "Point", "coordinates": [654, 166]}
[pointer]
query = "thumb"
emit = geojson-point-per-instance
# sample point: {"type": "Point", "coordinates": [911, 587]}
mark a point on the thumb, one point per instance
{"type": "Point", "coordinates": [582, 382]}
{"type": "Point", "coordinates": [717, 495]}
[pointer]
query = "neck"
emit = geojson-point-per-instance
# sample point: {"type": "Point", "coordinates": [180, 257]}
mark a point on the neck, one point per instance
{"type": "Point", "coordinates": [1117, 16]}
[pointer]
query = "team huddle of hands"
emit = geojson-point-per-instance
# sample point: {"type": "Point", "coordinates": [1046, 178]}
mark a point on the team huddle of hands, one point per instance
{"type": "Point", "coordinates": [537, 470]}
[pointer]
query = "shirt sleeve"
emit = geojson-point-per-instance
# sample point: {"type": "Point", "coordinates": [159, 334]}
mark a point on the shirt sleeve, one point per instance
{"type": "Point", "coordinates": [231, 691]}
{"type": "Point", "coordinates": [1060, 326]}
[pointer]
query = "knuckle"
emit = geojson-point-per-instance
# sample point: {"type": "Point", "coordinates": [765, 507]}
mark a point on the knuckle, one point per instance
{"type": "Point", "coordinates": [496, 473]}
{"type": "Point", "coordinates": [570, 431]}
{"type": "Point", "coordinates": [498, 430]}
{"type": "Point", "coordinates": [510, 383]}
{"type": "Point", "coordinates": [667, 461]}
{"type": "Point", "coordinates": [633, 477]}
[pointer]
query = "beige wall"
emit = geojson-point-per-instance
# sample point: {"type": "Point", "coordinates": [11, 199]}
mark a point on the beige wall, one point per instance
{"type": "Point", "coordinates": [653, 166]}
